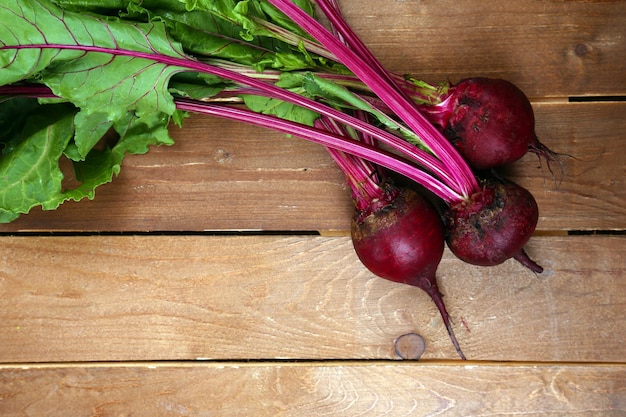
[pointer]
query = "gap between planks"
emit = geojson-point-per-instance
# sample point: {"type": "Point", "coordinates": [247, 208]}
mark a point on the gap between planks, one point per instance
{"type": "Point", "coordinates": [284, 233]}
{"type": "Point", "coordinates": [201, 363]}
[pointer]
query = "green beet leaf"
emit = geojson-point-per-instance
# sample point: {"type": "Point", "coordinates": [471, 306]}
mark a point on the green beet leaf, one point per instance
{"type": "Point", "coordinates": [101, 65]}
{"type": "Point", "coordinates": [29, 170]}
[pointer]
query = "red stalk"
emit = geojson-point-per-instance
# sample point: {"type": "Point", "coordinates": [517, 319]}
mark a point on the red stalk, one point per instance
{"type": "Point", "coordinates": [186, 63]}
{"type": "Point", "coordinates": [371, 153]}
{"type": "Point", "coordinates": [397, 102]}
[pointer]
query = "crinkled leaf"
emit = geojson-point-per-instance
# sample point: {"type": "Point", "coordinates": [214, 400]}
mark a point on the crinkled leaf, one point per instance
{"type": "Point", "coordinates": [282, 20]}
{"type": "Point", "coordinates": [238, 13]}
{"type": "Point", "coordinates": [29, 172]}
{"type": "Point", "coordinates": [99, 167]}
{"type": "Point", "coordinates": [227, 30]}
{"type": "Point", "coordinates": [29, 169]}
{"type": "Point", "coordinates": [111, 88]}
{"type": "Point", "coordinates": [13, 114]}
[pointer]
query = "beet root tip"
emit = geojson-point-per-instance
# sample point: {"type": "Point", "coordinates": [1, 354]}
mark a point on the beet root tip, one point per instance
{"type": "Point", "coordinates": [523, 258]}
{"type": "Point", "coordinates": [435, 295]}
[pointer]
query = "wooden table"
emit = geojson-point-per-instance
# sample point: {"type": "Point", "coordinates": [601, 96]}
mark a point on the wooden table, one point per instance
{"type": "Point", "coordinates": [217, 276]}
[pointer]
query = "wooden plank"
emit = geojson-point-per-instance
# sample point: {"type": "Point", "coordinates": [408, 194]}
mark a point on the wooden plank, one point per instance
{"type": "Point", "coordinates": [591, 195]}
{"type": "Point", "coordinates": [549, 48]}
{"type": "Point", "coordinates": [281, 389]}
{"type": "Point", "coordinates": [225, 175]}
{"type": "Point", "coordinates": [166, 301]}
{"type": "Point", "coordinates": [106, 298]}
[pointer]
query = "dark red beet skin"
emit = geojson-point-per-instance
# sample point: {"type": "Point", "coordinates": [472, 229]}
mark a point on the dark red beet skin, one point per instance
{"type": "Point", "coordinates": [492, 124]}
{"type": "Point", "coordinates": [402, 240]}
{"type": "Point", "coordinates": [493, 225]}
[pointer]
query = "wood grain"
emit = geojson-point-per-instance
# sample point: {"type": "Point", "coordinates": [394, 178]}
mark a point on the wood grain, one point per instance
{"type": "Point", "coordinates": [103, 298]}
{"type": "Point", "coordinates": [549, 48]}
{"type": "Point", "coordinates": [228, 176]}
{"type": "Point", "coordinates": [280, 389]}
{"type": "Point", "coordinates": [591, 193]}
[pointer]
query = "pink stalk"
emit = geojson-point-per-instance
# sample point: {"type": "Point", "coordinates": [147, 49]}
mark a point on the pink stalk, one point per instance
{"type": "Point", "coordinates": [361, 175]}
{"type": "Point", "coordinates": [371, 153]}
{"type": "Point", "coordinates": [344, 32]}
{"type": "Point", "coordinates": [403, 168]}
{"type": "Point", "coordinates": [337, 142]}
{"type": "Point", "coordinates": [185, 63]}
{"type": "Point", "coordinates": [347, 36]}
{"type": "Point", "coordinates": [397, 102]}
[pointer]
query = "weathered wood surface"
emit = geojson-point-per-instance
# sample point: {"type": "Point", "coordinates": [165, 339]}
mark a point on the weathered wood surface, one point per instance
{"type": "Point", "coordinates": [225, 175]}
{"type": "Point", "coordinates": [97, 298]}
{"type": "Point", "coordinates": [552, 48]}
{"type": "Point", "coordinates": [340, 389]}
{"type": "Point", "coordinates": [147, 300]}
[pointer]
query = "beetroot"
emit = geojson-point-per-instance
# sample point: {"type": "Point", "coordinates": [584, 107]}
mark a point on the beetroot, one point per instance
{"type": "Point", "coordinates": [489, 121]}
{"type": "Point", "coordinates": [493, 225]}
{"type": "Point", "coordinates": [493, 122]}
{"type": "Point", "coordinates": [401, 238]}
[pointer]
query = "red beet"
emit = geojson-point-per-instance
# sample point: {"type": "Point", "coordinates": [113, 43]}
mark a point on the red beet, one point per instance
{"type": "Point", "coordinates": [492, 124]}
{"type": "Point", "coordinates": [493, 225]}
{"type": "Point", "coordinates": [402, 239]}
{"type": "Point", "coordinates": [490, 121]}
